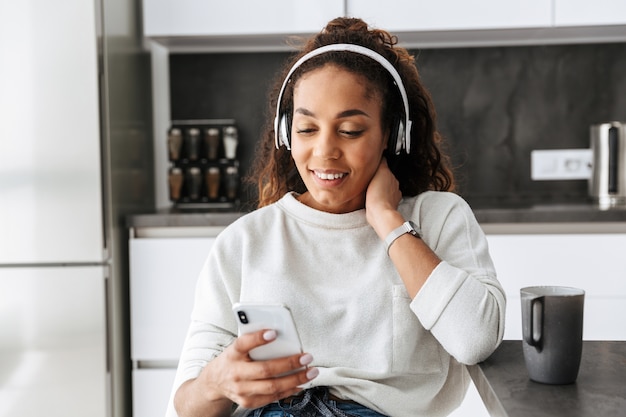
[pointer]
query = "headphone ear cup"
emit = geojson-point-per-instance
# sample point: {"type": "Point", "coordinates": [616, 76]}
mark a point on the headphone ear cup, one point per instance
{"type": "Point", "coordinates": [396, 137]}
{"type": "Point", "coordinates": [284, 130]}
{"type": "Point", "coordinates": [400, 138]}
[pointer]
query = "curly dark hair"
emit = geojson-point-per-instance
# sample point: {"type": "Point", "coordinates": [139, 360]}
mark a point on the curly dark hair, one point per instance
{"type": "Point", "coordinates": [426, 167]}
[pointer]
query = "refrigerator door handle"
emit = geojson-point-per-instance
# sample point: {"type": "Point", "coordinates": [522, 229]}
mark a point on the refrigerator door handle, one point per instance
{"type": "Point", "coordinates": [108, 314]}
{"type": "Point", "coordinates": [156, 364]}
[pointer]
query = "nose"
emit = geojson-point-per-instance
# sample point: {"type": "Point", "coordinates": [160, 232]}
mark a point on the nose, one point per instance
{"type": "Point", "coordinates": [327, 145]}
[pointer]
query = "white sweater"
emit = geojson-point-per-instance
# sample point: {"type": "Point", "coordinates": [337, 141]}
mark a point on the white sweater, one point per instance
{"type": "Point", "coordinates": [371, 342]}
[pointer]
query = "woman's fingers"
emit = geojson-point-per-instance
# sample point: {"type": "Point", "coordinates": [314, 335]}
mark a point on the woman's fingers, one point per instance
{"type": "Point", "coordinates": [252, 384]}
{"type": "Point", "coordinates": [246, 342]}
{"type": "Point", "coordinates": [256, 393]}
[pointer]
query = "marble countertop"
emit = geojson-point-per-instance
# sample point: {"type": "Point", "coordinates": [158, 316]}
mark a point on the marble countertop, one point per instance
{"type": "Point", "coordinates": [600, 389]}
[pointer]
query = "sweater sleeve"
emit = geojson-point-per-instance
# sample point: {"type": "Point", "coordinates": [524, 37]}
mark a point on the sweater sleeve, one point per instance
{"type": "Point", "coordinates": [462, 302]}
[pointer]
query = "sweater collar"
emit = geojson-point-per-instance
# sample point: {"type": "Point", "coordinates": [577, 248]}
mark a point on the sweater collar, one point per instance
{"type": "Point", "coordinates": [290, 204]}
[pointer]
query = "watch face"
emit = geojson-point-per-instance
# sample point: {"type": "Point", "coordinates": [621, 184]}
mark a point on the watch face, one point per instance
{"type": "Point", "coordinates": [413, 228]}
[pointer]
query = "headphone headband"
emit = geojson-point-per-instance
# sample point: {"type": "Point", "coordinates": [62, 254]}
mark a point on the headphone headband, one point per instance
{"type": "Point", "coordinates": [403, 142]}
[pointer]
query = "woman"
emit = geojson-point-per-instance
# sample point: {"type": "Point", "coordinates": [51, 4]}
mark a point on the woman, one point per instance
{"type": "Point", "coordinates": [387, 272]}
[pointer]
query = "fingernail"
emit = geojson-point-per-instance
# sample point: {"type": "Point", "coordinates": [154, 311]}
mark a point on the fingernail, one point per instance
{"type": "Point", "coordinates": [269, 335]}
{"type": "Point", "coordinates": [306, 359]}
{"type": "Point", "coordinates": [312, 373]}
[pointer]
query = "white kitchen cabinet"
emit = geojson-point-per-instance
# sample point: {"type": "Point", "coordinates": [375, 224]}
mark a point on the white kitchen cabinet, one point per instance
{"type": "Point", "coordinates": [252, 25]}
{"type": "Point", "coordinates": [151, 391]}
{"type": "Point", "coordinates": [163, 276]}
{"type": "Point", "coordinates": [165, 18]}
{"type": "Point", "coordinates": [594, 262]}
{"type": "Point", "coordinates": [589, 13]}
{"type": "Point", "coordinates": [412, 15]}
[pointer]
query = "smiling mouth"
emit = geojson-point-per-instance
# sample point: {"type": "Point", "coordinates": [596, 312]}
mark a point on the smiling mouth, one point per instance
{"type": "Point", "coordinates": [329, 176]}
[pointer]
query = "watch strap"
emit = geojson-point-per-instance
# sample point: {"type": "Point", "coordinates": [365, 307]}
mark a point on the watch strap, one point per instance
{"type": "Point", "coordinates": [406, 227]}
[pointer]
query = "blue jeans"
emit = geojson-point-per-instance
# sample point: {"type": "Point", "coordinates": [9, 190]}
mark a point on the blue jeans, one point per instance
{"type": "Point", "coordinates": [274, 410]}
{"type": "Point", "coordinates": [315, 402]}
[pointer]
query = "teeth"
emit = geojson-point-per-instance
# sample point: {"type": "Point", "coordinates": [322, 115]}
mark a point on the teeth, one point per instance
{"type": "Point", "coordinates": [324, 176]}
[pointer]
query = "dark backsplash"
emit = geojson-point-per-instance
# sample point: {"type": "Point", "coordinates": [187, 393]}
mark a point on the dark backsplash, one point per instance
{"type": "Point", "coordinates": [494, 106]}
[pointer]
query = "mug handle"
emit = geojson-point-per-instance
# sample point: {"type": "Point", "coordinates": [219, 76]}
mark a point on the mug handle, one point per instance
{"type": "Point", "coordinates": [533, 326]}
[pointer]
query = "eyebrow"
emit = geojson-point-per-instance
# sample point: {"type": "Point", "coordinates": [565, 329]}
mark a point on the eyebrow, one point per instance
{"type": "Point", "coordinates": [345, 113]}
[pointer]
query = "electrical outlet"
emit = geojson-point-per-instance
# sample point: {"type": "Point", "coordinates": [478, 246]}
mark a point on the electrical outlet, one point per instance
{"type": "Point", "coordinates": [560, 164]}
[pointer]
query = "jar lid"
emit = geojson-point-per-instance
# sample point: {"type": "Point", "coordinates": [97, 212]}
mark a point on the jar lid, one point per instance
{"type": "Point", "coordinates": [230, 130]}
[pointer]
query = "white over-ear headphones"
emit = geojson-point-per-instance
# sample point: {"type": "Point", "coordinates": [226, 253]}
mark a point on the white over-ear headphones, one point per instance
{"type": "Point", "coordinates": [401, 137]}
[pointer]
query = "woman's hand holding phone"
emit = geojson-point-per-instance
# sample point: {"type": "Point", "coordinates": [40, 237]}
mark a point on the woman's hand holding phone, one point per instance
{"type": "Point", "coordinates": [235, 377]}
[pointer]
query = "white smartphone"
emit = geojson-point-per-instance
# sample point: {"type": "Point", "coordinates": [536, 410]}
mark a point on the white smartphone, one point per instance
{"type": "Point", "coordinates": [255, 317]}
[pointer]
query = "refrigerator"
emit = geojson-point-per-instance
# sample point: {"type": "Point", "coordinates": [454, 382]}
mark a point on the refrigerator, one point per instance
{"type": "Point", "coordinates": [65, 182]}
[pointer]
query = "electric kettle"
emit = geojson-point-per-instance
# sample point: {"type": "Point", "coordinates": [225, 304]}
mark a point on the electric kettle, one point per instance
{"type": "Point", "coordinates": [607, 184]}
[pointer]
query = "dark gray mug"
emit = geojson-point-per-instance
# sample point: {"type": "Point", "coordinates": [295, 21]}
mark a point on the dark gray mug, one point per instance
{"type": "Point", "coordinates": [552, 331]}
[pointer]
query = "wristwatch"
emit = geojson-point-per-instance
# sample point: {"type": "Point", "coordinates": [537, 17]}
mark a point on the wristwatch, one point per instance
{"type": "Point", "coordinates": [406, 227]}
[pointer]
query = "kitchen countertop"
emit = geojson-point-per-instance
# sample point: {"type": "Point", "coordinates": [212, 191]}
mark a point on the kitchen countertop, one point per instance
{"type": "Point", "coordinates": [600, 389]}
{"type": "Point", "coordinates": [183, 218]}
{"type": "Point", "coordinates": [495, 217]}
{"type": "Point", "coordinates": [547, 213]}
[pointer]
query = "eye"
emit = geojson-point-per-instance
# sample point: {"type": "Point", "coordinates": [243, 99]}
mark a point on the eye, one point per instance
{"type": "Point", "coordinates": [305, 131]}
{"type": "Point", "coordinates": [351, 128]}
{"type": "Point", "coordinates": [351, 133]}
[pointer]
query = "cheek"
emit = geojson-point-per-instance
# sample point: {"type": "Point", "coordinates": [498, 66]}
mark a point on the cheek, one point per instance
{"type": "Point", "coordinates": [369, 160]}
{"type": "Point", "coordinates": [372, 152]}
{"type": "Point", "coordinates": [298, 154]}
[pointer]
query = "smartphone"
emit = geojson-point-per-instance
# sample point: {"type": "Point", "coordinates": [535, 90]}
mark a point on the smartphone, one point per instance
{"type": "Point", "coordinates": [255, 317]}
